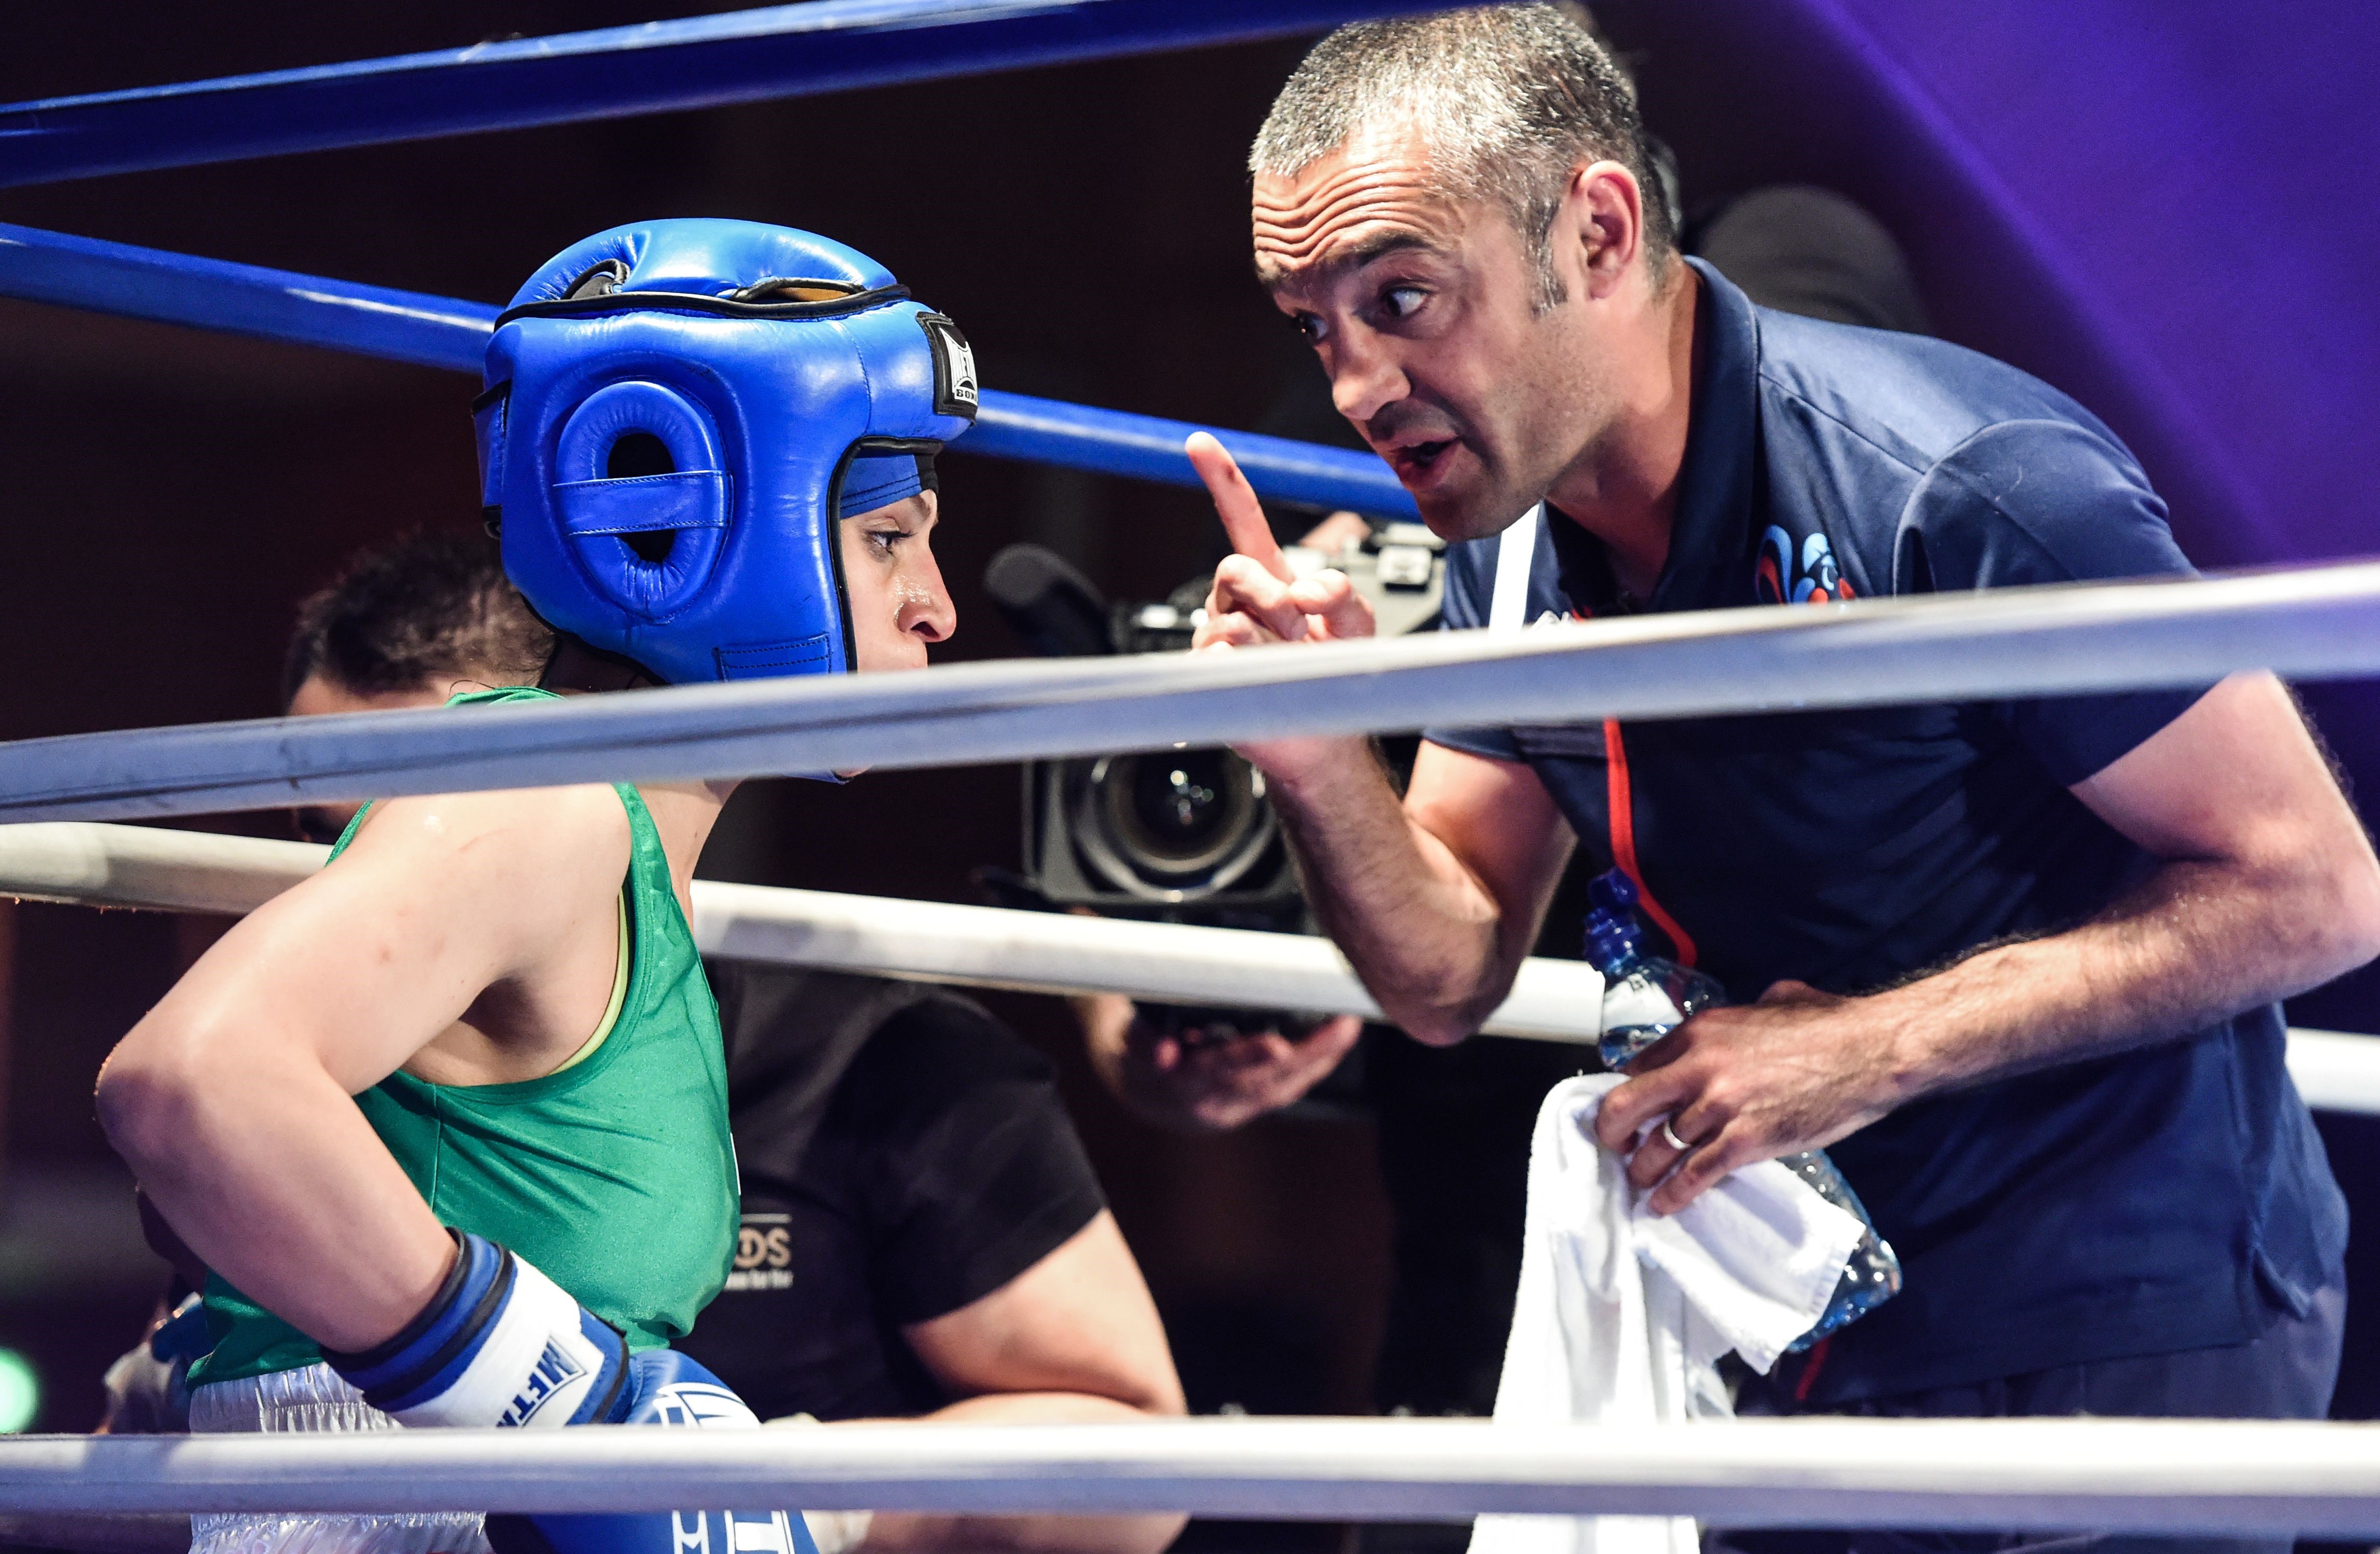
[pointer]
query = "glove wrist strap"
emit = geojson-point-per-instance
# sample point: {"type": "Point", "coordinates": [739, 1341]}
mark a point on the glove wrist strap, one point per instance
{"type": "Point", "coordinates": [464, 1273]}
{"type": "Point", "coordinates": [500, 1344]}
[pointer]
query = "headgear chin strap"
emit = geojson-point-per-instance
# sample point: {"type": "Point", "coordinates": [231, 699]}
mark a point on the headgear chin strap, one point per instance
{"type": "Point", "coordinates": [676, 413]}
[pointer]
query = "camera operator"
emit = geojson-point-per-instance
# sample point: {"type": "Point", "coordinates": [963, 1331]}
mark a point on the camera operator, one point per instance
{"type": "Point", "coordinates": [2019, 959]}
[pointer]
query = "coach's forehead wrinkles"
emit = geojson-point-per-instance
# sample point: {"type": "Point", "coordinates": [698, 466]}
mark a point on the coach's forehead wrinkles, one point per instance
{"type": "Point", "coordinates": [1376, 194]}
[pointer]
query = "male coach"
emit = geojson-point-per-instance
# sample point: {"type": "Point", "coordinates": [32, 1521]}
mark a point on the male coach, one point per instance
{"type": "Point", "coordinates": [2015, 963]}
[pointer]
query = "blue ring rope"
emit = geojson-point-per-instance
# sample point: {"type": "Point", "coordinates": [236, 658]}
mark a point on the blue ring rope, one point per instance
{"type": "Point", "coordinates": [428, 331]}
{"type": "Point", "coordinates": [696, 62]}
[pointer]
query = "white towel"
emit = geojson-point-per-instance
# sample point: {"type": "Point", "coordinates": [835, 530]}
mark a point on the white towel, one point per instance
{"type": "Point", "coordinates": [1622, 1314]}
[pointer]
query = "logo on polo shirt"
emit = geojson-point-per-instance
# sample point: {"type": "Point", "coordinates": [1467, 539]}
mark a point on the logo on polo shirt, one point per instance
{"type": "Point", "coordinates": [1805, 574]}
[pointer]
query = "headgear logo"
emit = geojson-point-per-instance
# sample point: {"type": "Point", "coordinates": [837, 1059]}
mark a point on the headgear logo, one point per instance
{"type": "Point", "coordinates": [954, 385]}
{"type": "Point", "coordinates": [1811, 577]}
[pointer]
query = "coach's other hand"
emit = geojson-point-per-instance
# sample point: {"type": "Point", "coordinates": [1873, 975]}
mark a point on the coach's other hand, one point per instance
{"type": "Point", "coordinates": [1743, 1082]}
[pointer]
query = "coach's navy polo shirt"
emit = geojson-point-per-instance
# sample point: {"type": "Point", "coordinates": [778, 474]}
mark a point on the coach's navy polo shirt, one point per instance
{"type": "Point", "coordinates": [2174, 1197]}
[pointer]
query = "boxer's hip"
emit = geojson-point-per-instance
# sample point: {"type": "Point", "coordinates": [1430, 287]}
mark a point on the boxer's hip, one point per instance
{"type": "Point", "coordinates": [313, 1399]}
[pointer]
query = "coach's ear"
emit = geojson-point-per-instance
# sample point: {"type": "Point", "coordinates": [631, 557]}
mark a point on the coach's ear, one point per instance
{"type": "Point", "coordinates": [1598, 232]}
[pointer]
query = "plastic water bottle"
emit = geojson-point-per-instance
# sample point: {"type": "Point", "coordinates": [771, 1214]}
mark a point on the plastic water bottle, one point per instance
{"type": "Point", "coordinates": [1644, 996]}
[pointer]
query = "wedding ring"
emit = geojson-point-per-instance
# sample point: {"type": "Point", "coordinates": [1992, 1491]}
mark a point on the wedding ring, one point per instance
{"type": "Point", "coordinates": [1670, 1133]}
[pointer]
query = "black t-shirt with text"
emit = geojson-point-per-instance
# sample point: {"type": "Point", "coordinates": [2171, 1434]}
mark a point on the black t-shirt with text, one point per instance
{"type": "Point", "coordinates": [902, 1154]}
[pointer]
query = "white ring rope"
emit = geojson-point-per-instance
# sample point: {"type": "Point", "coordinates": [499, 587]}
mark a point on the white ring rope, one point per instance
{"type": "Point", "coordinates": [2200, 1477]}
{"type": "Point", "coordinates": [934, 942]}
{"type": "Point", "coordinates": [2014, 642]}
{"type": "Point", "coordinates": [919, 941]}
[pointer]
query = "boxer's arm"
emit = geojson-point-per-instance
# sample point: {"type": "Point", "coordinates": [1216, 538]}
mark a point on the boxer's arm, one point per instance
{"type": "Point", "coordinates": [231, 1099]}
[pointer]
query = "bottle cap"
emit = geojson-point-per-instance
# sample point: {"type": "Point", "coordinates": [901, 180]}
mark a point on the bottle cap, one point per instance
{"type": "Point", "coordinates": [1611, 926]}
{"type": "Point", "coordinates": [1613, 891]}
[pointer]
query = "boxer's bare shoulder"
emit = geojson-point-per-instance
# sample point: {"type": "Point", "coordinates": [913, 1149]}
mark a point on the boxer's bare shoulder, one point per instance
{"type": "Point", "coordinates": [491, 918]}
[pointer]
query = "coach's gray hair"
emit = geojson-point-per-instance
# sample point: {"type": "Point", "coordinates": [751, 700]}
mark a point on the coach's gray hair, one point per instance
{"type": "Point", "coordinates": [1510, 98]}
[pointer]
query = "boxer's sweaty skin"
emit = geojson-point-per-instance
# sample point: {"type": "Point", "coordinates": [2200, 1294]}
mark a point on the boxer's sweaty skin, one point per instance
{"type": "Point", "coordinates": [899, 605]}
{"type": "Point", "coordinates": [463, 932]}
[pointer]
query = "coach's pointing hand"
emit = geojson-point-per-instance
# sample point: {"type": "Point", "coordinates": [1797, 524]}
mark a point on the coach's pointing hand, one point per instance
{"type": "Point", "coordinates": [1256, 598]}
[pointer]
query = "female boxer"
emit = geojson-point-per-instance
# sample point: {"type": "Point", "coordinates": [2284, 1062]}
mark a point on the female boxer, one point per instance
{"type": "Point", "coordinates": [448, 1122]}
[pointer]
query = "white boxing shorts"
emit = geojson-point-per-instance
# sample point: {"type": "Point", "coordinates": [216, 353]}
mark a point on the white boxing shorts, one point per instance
{"type": "Point", "coordinates": [307, 1401]}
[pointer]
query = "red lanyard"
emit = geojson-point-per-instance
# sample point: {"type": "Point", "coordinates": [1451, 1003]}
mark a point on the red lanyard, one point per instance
{"type": "Point", "coordinates": [1618, 802]}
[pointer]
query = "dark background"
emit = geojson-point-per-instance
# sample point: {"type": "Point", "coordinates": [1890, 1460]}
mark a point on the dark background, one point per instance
{"type": "Point", "coordinates": [172, 494]}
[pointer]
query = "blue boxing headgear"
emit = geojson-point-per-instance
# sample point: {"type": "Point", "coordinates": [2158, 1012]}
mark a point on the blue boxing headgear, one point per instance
{"type": "Point", "coordinates": [677, 414]}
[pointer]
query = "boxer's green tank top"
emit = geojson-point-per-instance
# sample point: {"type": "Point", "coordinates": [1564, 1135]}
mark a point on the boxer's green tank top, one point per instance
{"type": "Point", "coordinates": [614, 1174]}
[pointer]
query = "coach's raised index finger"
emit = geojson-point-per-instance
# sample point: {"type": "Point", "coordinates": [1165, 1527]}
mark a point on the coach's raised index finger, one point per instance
{"type": "Point", "coordinates": [1236, 504]}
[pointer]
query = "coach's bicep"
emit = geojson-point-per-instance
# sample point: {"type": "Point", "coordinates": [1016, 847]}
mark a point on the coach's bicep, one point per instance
{"type": "Point", "coordinates": [2235, 778]}
{"type": "Point", "coordinates": [2238, 787]}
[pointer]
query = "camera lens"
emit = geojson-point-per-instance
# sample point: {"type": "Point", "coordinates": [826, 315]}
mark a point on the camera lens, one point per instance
{"type": "Point", "coordinates": [1181, 809]}
{"type": "Point", "coordinates": [1174, 823]}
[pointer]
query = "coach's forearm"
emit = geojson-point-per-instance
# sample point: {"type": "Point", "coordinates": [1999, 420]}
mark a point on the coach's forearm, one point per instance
{"type": "Point", "coordinates": [2195, 943]}
{"type": "Point", "coordinates": [1418, 927]}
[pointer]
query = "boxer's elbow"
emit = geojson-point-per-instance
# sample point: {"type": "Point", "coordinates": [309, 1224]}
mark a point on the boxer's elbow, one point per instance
{"type": "Point", "coordinates": [147, 1098]}
{"type": "Point", "coordinates": [143, 1103]}
{"type": "Point", "coordinates": [157, 1092]}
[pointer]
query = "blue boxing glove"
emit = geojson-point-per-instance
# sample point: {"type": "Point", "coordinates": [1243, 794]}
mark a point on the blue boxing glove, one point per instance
{"type": "Point", "coordinates": [500, 1344]}
{"type": "Point", "coordinates": [665, 1389]}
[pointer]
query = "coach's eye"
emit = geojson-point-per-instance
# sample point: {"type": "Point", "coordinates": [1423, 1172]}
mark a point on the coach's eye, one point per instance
{"type": "Point", "coordinates": [1308, 327]}
{"type": "Point", "coordinates": [1400, 302]}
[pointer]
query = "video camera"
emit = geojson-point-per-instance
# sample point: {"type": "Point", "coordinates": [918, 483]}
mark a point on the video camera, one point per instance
{"type": "Point", "coordinates": [1184, 834]}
